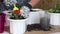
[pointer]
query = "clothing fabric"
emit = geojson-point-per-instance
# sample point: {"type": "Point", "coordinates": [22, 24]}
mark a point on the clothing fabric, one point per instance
{"type": "Point", "coordinates": [8, 4]}
{"type": "Point", "coordinates": [11, 2]}
{"type": "Point", "coordinates": [2, 7]}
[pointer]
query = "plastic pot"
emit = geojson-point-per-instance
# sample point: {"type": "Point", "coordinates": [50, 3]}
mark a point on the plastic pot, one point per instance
{"type": "Point", "coordinates": [55, 19]}
{"type": "Point", "coordinates": [34, 17]}
{"type": "Point", "coordinates": [17, 26]}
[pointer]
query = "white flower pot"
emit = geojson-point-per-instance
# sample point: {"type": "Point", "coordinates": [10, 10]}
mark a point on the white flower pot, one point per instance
{"type": "Point", "coordinates": [55, 19]}
{"type": "Point", "coordinates": [34, 17]}
{"type": "Point", "coordinates": [17, 26]}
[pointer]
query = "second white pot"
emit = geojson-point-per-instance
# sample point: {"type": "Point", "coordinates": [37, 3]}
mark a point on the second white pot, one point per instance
{"type": "Point", "coordinates": [34, 17]}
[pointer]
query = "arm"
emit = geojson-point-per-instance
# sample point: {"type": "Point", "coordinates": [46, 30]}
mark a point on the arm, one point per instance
{"type": "Point", "coordinates": [25, 10]}
{"type": "Point", "coordinates": [33, 2]}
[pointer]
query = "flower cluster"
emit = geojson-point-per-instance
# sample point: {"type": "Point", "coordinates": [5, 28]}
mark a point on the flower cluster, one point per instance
{"type": "Point", "coordinates": [16, 13]}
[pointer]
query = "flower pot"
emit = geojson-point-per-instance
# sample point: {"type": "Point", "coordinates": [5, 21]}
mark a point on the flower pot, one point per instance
{"type": "Point", "coordinates": [2, 22]}
{"type": "Point", "coordinates": [17, 26]}
{"type": "Point", "coordinates": [34, 17]}
{"type": "Point", "coordinates": [55, 19]}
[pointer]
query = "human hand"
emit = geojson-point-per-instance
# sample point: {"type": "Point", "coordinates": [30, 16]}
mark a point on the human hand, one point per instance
{"type": "Point", "coordinates": [25, 10]}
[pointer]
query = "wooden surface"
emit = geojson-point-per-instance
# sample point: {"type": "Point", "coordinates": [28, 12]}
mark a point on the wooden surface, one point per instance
{"type": "Point", "coordinates": [53, 30]}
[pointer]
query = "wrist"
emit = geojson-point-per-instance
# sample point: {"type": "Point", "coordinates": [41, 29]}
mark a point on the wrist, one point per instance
{"type": "Point", "coordinates": [28, 5]}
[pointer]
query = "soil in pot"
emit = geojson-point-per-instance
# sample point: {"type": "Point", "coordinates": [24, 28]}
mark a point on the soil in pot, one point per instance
{"type": "Point", "coordinates": [17, 17]}
{"type": "Point", "coordinates": [36, 27]}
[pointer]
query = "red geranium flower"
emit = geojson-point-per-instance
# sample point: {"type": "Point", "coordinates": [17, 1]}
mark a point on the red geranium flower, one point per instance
{"type": "Point", "coordinates": [16, 11]}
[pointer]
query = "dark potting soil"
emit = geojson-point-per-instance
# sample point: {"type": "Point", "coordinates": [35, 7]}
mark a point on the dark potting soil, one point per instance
{"type": "Point", "coordinates": [33, 10]}
{"type": "Point", "coordinates": [19, 17]}
{"type": "Point", "coordinates": [36, 27]}
{"type": "Point", "coordinates": [33, 27]}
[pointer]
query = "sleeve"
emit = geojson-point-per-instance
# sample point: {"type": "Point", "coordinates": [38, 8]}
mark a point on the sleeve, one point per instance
{"type": "Point", "coordinates": [2, 7]}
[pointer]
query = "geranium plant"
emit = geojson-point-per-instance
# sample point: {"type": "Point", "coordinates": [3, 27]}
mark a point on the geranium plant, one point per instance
{"type": "Point", "coordinates": [16, 13]}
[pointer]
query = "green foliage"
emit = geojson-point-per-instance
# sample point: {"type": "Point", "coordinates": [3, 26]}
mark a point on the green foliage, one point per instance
{"type": "Point", "coordinates": [16, 16]}
{"type": "Point", "coordinates": [54, 9]}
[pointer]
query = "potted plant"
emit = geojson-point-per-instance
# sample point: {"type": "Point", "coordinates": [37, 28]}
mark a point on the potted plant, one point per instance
{"type": "Point", "coordinates": [54, 14]}
{"type": "Point", "coordinates": [17, 22]}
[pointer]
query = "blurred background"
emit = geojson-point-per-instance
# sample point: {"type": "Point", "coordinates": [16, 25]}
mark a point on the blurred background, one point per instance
{"type": "Point", "coordinates": [46, 4]}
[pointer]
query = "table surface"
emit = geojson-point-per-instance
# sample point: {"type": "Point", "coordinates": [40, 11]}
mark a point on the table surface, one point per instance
{"type": "Point", "coordinates": [53, 31]}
